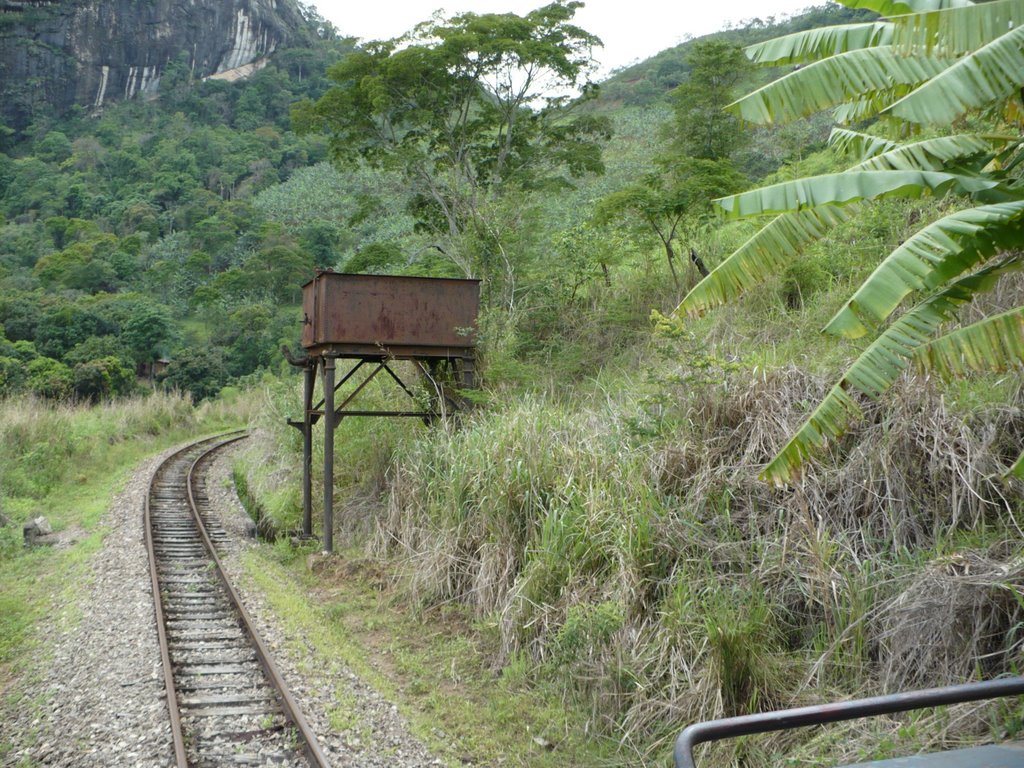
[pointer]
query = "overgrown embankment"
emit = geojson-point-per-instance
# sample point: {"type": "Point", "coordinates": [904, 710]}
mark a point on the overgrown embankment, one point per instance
{"type": "Point", "coordinates": [620, 543]}
{"type": "Point", "coordinates": [65, 462]}
{"type": "Point", "coordinates": [614, 537]}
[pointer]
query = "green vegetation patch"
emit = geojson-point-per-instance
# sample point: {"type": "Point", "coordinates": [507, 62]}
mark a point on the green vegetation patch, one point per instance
{"type": "Point", "coordinates": [435, 665]}
{"type": "Point", "coordinates": [66, 463]}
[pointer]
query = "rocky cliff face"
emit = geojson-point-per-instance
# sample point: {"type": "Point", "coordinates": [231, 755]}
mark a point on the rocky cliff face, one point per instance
{"type": "Point", "coordinates": [55, 54]}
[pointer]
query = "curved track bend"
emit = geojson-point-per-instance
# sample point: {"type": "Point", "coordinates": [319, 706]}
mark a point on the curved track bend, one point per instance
{"type": "Point", "coordinates": [228, 704]}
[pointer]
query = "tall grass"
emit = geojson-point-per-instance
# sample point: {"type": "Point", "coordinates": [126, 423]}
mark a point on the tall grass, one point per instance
{"type": "Point", "coordinates": [270, 464]}
{"type": "Point", "coordinates": [623, 543]}
{"type": "Point", "coordinates": [620, 542]}
{"type": "Point", "coordinates": [43, 444]}
{"type": "Point", "coordinates": [65, 462]}
{"type": "Point", "coordinates": [613, 535]}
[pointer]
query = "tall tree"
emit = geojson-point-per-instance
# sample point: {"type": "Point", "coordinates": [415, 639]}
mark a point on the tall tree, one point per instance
{"type": "Point", "coordinates": [703, 129]}
{"type": "Point", "coordinates": [672, 202]}
{"type": "Point", "coordinates": [466, 108]}
{"type": "Point", "coordinates": [674, 199]}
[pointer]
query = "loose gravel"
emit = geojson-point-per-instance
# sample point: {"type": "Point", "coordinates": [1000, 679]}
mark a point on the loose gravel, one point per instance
{"type": "Point", "coordinates": [374, 732]}
{"type": "Point", "coordinates": [96, 696]}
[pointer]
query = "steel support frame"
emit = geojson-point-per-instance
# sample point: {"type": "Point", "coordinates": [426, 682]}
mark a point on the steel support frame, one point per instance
{"type": "Point", "coordinates": [332, 414]}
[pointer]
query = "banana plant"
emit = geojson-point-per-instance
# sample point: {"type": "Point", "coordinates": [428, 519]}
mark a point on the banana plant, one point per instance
{"type": "Point", "coordinates": [923, 63]}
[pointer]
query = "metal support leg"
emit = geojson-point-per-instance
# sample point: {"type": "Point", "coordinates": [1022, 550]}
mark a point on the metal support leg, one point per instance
{"type": "Point", "coordinates": [329, 421]}
{"type": "Point", "coordinates": [307, 450]}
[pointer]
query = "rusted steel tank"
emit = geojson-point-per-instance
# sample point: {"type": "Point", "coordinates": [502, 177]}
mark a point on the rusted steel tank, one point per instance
{"type": "Point", "coordinates": [400, 317]}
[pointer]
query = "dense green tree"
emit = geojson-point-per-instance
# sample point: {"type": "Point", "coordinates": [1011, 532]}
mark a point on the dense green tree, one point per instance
{"type": "Point", "coordinates": [703, 129]}
{"type": "Point", "coordinates": [85, 265]}
{"type": "Point", "coordinates": [60, 329]}
{"type": "Point", "coordinates": [87, 153]}
{"type": "Point", "coordinates": [672, 202]}
{"type": "Point", "coordinates": [55, 147]}
{"type": "Point", "coordinates": [586, 255]}
{"type": "Point", "coordinates": [49, 378]}
{"type": "Point", "coordinates": [21, 245]}
{"type": "Point", "coordinates": [320, 240]}
{"type": "Point", "coordinates": [176, 83]}
{"type": "Point", "coordinates": [13, 375]}
{"type": "Point", "coordinates": [147, 334]}
{"type": "Point", "coordinates": [98, 347]}
{"type": "Point", "coordinates": [247, 343]}
{"type": "Point", "coordinates": [375, 258]}
{"type": "Point", "coordinates": [34, 186]}
{"type": "Point", "coordinates": [103, 378]}
{"type": "Point", "coordinates": [25, 351]}
{"type": "Point", "coordinates": [454, 107]}
{"type": "Point", "coordinates": [200, 373]}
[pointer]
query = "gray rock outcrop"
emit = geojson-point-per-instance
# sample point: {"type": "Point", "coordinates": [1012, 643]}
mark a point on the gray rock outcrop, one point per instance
{"type": "Point", "coordinates": [55, 54]}
{"type": "Point", "coordinates": [37, 531]}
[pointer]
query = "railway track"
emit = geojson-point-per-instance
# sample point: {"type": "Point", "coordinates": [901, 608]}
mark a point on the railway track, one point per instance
{"type": "Point", "coordinates": [227, 702]}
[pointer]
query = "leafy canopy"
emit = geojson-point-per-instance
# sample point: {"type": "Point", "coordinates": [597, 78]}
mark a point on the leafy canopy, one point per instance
{"type": "Point", "coordinates": [673, 200]}
{"type": "Point", "coordinates": [466, 107]}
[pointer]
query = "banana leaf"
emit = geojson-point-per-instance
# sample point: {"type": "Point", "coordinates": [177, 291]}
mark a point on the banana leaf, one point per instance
{"type": "Point", "coordinates": [849, 187]}
{"type": "Point", "coordinates": [820, 43]}
{"type": "Point", "coordinates": [990, 75]}
{"type": "Point", "coordinates": [894, 7]}
{"type": "Point", "coordinates": [861, 145]}
{"type": "Point", "coordinates": [764, 255]}
{"type": "Point", "coordinates": [993, 344]}
{"type": "Point", "coordinates": [854, 75]}
{"type": "Point", "coordinates": [941, 251]}
{"type": "Point", "coordinates": [874, 371]}
{"type": "Point", "coordinates": [956, 31]}
{"type": "Point", "coordinates": [1017, 470]}
{"type": "Point", "coordinates": [935, 154]}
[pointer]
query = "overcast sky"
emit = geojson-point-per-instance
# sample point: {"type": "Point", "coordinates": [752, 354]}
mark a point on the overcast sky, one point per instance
{"type": "Point", "coordinates": [630, 29]}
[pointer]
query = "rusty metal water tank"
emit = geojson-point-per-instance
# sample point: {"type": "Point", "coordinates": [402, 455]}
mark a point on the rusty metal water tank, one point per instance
{"type": "Point", "coordinates": [401, 317]}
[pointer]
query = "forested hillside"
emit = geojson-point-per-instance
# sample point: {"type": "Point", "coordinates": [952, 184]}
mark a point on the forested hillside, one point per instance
{"type": "Point", "coordinates": [598, 520]}
{"type": "Point", "coordinates": [137, 234]}
{"type": "Point", "coordinates": [157, 230]}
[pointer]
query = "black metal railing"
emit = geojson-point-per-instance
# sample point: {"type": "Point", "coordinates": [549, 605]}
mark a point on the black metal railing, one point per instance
{"type": "Point", "coordinates": [731, 727]}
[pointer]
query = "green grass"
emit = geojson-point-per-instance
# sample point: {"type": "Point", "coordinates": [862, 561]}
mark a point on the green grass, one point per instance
{"type": "Point", "coordinates": [629, 562]}
{"type": "Point", "coordinates": [434, 666]}
{"type": "Point", "coordinates": [67, 464]}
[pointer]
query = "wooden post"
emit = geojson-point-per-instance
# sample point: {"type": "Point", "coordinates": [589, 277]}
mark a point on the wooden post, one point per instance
{"type": "Point", "coordinates": [307, 449]}
{"type": "Point", "coordinates": [329, 420]}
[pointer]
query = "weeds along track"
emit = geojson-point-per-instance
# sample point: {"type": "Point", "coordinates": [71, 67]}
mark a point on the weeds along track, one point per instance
{"type": "Point", "coordinates": [227, 702]}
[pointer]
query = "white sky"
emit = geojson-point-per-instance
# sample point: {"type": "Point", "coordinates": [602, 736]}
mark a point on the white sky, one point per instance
{"type": "Point", "coordinates": [631, 30]}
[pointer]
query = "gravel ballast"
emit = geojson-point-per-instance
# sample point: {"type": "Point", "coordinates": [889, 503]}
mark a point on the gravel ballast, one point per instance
{"type": "Point", "coordinates": [375, 733]}
{"type": "Point", "coordinates": [95, 695]}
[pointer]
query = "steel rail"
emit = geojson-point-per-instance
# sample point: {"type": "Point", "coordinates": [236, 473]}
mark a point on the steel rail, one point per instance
{"type": "Point", "coordinates": [291, 708]}
{"type": "Point", "coordinates": [726, 728]}
{"type": "Point", "coordinates": [177, 735]}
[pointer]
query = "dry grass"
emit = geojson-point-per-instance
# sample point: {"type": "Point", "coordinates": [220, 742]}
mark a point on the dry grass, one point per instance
{"type": "Point", "coordinates": [623, 545]}
{"type": "Point", "coordinates": [628, 543]}
{"type": "Point", "coordinates": [959, 615]}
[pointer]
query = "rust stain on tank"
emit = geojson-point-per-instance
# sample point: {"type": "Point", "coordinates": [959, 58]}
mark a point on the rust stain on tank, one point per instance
{"type": "Point", "coordinates": [414, 314]}
{"type": "Point", "coordinates": [384, 326]}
